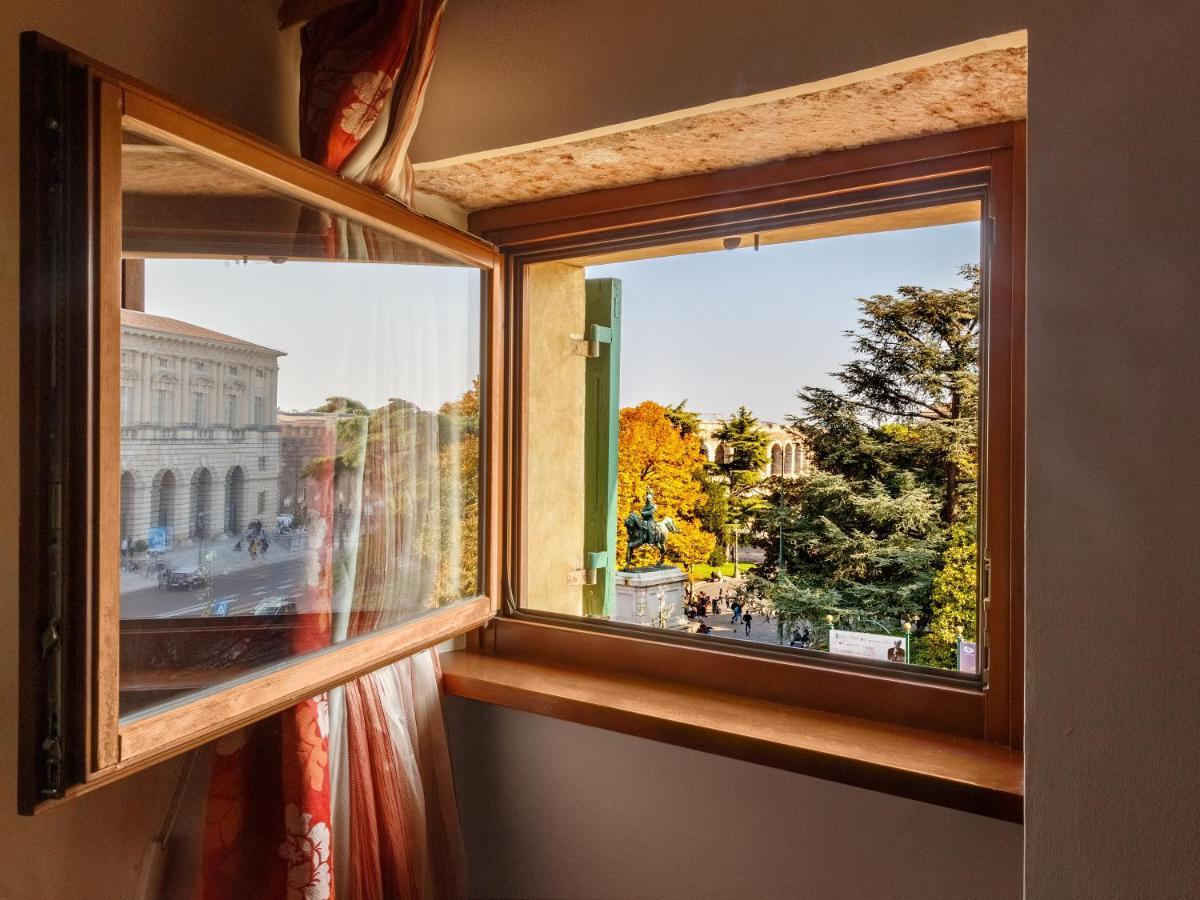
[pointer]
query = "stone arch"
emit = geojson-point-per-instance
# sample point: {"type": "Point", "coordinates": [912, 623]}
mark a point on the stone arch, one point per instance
{"type": "Point", "coordinates": [162, 499]}
{"type": "Point", "coordinates": [776, 459]}
{"type": "Point", "coordinates": [128, 491]}
{"type": "Point", "coordinates": [200, 520]}
{"type": "Point", "coordinates": [235, 499]}
{"type": "Point", "coordinates": [724, 454]}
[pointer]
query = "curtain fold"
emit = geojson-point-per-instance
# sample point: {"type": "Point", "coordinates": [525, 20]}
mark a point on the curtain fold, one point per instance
{"type": "Point", "coordinates": [367, 812]}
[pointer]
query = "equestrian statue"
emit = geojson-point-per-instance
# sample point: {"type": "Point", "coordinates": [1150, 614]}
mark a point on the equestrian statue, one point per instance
{"type": "Point", "coordinates": [644, 531]}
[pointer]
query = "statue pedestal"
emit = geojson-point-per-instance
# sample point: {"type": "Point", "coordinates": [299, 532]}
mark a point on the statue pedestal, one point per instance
{"type": "Point", "coordinates": [652, 595]}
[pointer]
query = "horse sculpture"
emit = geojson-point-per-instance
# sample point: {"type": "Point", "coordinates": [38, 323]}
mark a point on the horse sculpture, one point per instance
{"type": "Point", "coordinates": [644, 531]}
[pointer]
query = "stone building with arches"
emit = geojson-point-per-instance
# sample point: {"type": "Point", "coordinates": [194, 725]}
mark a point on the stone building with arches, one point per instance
{"type": "Point", "coordinates": [786, 457]}
{"type": "Point", "coordinates": [199, 430]}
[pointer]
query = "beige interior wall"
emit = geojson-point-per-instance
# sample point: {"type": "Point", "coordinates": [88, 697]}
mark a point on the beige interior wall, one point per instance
{"type": "Point", "coordinates": [1114, 552]}
{"type": "Point", "coordinates": [553, 809]}
{"type": "Point", "coordinates": [554, 415]}
{"type": "Point", "coordinates": [1113, 364]}
{"type": "Point", "coordinates": [227, 57]}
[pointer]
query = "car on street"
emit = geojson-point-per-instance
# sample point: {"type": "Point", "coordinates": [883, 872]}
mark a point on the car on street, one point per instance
{"type": "Point", "coordinates": [275, 606]}
{"type": "Point", "coordinates": [186, 578]}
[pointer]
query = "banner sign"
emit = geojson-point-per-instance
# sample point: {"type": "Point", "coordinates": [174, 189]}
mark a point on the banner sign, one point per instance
{"type": "Point", "coordinates": [156, 540]}
{"type": "Point", "coordinates": [966, 657]}
{"type": "Point", "coordinates": [887, 647]}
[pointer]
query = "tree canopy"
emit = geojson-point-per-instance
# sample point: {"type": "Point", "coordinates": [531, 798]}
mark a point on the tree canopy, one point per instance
{"type": "Point", "coordinates": [741, 456]}
{"type": "Point", "coordinates": [654, 453]}
{"type": "Point", "coordinates": [883, 530]}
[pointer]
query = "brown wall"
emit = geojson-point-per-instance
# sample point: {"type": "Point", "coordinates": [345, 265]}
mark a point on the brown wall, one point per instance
{"type": "Point", "coordinates": [226, 56]}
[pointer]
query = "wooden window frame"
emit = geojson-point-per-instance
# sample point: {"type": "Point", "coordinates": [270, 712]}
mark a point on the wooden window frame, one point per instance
{"type": "Point", "coordinates": [73, 111]}
{"type": "Point", "coordinates": [986, 162]}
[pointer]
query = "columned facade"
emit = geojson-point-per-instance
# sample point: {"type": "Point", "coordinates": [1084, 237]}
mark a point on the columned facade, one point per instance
{"type": "Point", "coordinates": [787, 456]}
{"type": "Point", "coordinates": [199, 437]}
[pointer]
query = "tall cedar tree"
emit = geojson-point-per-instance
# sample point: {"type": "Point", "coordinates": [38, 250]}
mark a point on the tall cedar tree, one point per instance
{"type": "Point", "coordinates": [740, 459]}
{"type": "Point", "coordinates": [896, 456]}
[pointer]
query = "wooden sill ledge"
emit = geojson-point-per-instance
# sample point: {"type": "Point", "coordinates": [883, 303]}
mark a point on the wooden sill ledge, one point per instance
{"type": "Point", "coordinates": [948, 771]}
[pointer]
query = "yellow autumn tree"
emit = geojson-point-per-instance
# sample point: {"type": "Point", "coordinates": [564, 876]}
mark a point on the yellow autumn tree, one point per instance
{"type": "Point", "coordinates": [652, 453]}
{"type": "Point", "coordinates": [458, 462]}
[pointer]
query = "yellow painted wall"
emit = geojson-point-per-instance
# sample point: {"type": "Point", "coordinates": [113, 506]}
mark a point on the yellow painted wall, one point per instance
{"type": "Point", "coordinates": [554, 293]}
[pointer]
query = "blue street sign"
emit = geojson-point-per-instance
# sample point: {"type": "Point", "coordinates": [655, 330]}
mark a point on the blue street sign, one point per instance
{"type": "Point", "coordinates": [220, 607]}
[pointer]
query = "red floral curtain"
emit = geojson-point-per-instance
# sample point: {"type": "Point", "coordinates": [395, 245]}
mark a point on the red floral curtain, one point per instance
{"type": "Point", "coordinates": [363, 73]}
{"type": "Point", "coordinates": [272, 825]}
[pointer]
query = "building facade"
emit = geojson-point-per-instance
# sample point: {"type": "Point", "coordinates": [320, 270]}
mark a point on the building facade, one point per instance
{"type": "Point", "coordinates": [787, 457]}
{"type": "Point", "coordinates": [199, 430]}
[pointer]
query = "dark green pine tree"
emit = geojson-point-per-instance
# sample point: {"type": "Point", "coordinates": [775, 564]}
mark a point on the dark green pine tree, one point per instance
{"type": "Point", "coordinates": [740, 458]}
{"type": "Point", "coordinates": [895, 451]}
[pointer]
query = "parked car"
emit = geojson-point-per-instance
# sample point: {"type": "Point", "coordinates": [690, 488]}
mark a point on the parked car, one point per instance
{"type": "Point", "coordinates": [186, 578]}
{"type": "Point", "coordinates": [275, 606]}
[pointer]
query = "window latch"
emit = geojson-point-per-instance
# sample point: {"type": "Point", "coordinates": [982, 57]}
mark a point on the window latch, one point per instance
{"type": "Point", "coordinates": [589, 345]}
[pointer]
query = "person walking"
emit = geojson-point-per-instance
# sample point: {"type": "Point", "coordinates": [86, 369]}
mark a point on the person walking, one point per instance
{"type": "Point", "coordinates": [747, 619]}
{"type": "Point", "coordinates": [736, 608]}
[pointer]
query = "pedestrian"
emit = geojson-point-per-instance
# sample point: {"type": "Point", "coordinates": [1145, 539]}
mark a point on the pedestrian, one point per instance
{"type": "Point", "coordinates": [736, 607]}
{"type": "Point", "coordinates": [125, 547]}
{"type": "Point", "coordinates": [747, 619]}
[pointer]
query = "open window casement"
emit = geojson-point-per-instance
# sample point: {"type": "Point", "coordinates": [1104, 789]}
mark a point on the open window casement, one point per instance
{"type": "Point", "coordinates": [257, 429]}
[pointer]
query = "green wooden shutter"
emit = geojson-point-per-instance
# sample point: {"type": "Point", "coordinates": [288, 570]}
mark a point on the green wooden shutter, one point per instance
{"type": "Point", "coordinates": [601, 405]}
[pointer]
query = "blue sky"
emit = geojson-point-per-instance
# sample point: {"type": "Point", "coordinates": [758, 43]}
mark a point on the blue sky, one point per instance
{"type": "Point", "coordinates": [743, 327]}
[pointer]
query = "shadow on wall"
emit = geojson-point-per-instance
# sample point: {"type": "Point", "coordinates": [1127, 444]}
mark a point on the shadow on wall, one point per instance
{"type": "Point", "coordinates": [556, 809]}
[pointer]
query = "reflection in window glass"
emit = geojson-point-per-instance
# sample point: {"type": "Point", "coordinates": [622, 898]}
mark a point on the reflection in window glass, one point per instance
{"type": "Point", "coordinates": [791, 435]}
{"type": "Point", "coordinates": [300, 431]}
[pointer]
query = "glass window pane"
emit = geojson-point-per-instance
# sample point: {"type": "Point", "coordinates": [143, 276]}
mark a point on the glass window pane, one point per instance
{"type": "Point", "coordinates": [300, 428]}
{"type": "Point", "coordinates": [794, 441]}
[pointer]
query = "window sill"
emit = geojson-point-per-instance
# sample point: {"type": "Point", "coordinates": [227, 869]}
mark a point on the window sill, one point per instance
{"type": "Point", "coordinates": [949, 771]}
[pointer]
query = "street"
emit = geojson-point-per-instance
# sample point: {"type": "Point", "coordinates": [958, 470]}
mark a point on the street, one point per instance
{"type": "Point", "coordinates": [247, 585]}
{"type": "Point", "coordinates": [761, 631]}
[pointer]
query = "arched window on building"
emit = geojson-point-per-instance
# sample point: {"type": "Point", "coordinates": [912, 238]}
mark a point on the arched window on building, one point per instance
{"type": "Point", "coordinates": [127, 497]}
{"type": "Point", "coordinates": [162, 499]}
{"type": "Point", "coordinates": [235, 488]}
{"type": "Point", "coordinates": [789, 459]}
{"type": "Point", "coordinates": [200, 509]}
{"type": "Point", "coordinates": [776, 459]}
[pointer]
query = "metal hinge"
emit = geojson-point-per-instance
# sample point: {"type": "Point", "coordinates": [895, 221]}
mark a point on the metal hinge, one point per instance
{"type": "Point", "coordinates": [593, 564]}
{"type": "Point", "coordinates": [52, 745]}
{"type": "Point", "coordinates": [991, 230]}
{"type": "Point", "coordinates": [589, 345]}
